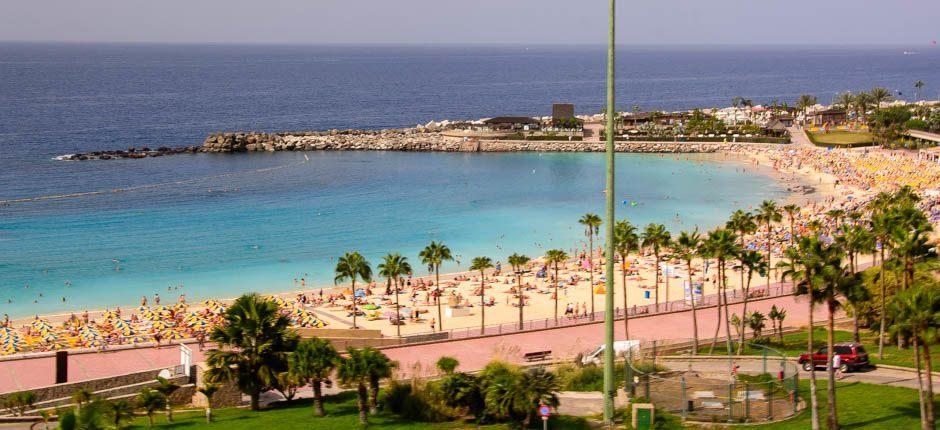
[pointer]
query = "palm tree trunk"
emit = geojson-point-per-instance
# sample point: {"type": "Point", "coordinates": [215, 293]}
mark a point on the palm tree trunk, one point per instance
{"type": "Point", "coordinates": [556, 293]}
{"type": "Point", "coordinates": [482, 304]}
{"type": "Point", "coordinates": [255, 403]}
{"type": "Point", "coordinates": [362, 401]}
{"type": "Point", "coordinates": [521, 299]}
{"type": "Point", "coordinates": [718, 309]}
{"type": "Point", "coordinates": [208, 414]}
{"type": "Point", "coordinates": [591, 269]}
{"type": "Point", "coordinates": [656, 290]}
{"type": "Point", "coordinates": [440, 292]}
{"type": "Point", "coordinates": [626, 309]}
{"type": "Point", "coordinates": [169, 410]}
{"type": "Point", "coordinates": [833, 420]}
{"type": "Point", "coordinates": [397, 309]}
{"type": "Point", "coordinates": [813, 401]}
{"type": "Point", "coordinates": [884, 293]}
{"type": "Point", "coordinates": [354, 300]}
{"type": "Point", "coordinates": [373, 395]}
{"type": "Point", "coordinates": [922, 401]}
{"type": "Point", "coordinates": [931, 419]}
{"type": "Point", "coordinates": [747, 289]}
{"type": "Point", "coordinates": [694, 316]}
{"type": "Point", "coordinates": [724, 293]}
{"type": "Point", "coordinates": [318, 397]}
{"type": "Point", "coordinates": [770, 268]}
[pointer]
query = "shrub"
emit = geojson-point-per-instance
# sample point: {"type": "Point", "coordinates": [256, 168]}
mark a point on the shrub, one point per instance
{"type": "Point", "coordinates": [447, 364]}
{"type": "Point", "coordinates": [418, 403]}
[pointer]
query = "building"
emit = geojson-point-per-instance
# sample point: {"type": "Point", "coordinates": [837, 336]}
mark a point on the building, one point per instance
{"type": "Point", "coordinates": [828, 116]}
{"type": "Point", "coordinates": [512, 123]}
{"type": "Point", "coordinates": [562, 111]}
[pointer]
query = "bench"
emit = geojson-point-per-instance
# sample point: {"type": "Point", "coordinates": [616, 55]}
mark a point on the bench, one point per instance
{"type": "Point", "coordinates": [703, 395]}
{"type": "Point", "coordinates": [713, 405]}
{"type": "Point", "coordinates": [750, 395]}
{"type": "Point", "coordinates": [536, 356]}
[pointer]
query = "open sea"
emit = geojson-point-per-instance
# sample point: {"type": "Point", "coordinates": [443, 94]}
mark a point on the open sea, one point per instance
{"type": "Point", "coordinates": [241, 226]}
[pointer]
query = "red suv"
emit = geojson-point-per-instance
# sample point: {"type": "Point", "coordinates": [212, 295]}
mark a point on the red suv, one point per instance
{"type": "Point", "coordinates": [853, 357]}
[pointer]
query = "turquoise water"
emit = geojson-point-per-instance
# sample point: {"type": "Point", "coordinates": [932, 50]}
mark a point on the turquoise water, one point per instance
{"type": "Point", "coordinates": [259, 231]}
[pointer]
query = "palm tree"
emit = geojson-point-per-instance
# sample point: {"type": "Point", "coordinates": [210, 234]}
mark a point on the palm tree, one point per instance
{"type": "Point", "coordinates": [751, 262]}
{"type": "Point", "coordinates": [554, 257]}
{"type": "Point", "coordinates": [769, 213]}
{"type": "Point", "coordinates": [845, 100]}
{"type": "Point", "coordinates": [434, 255]}
{"type": "Point", "coordinates": [393, 267]}
{"type": "Point", "coordinates": [379, 367]}
{"type": "Point", "coordinates": [878, 96]}
{"type": "Point", "coordinates": [721, 245]}
{"type": "Point", "coordinates": [481, 264]}
{"type": "Point", "coordinates": [862, 102]}
{"type": "Point", "coordinates": [744, 224]}
{"type": "Point", "coordinates": [835, 282]}
{"type": "Point", "coordinates": [916, 315]}
{"type": "Point", "coordinates": [167, 388]}
{"type": "Point", "coordinates": [150, 401]}
{"type": "Point", "coordinates": [804, 102]}
{"type": "Point", "coordinates": [856, 240]}
{"type": "Point", "coordinates": [351, 266]}
{"type": "Point", "coordinates": [518, 263]}
{"type": "Point", "coordinates": [520, 394]}
{"type": "Point", "coordinates": [208, 390]}
{"type": "Point", "coordinates": [120, 412]}
{"type": "Point", "coordinates": [773, 315]}
{"type": "Point", "coordinates": [81, 396]}
{"type": "Point", "coordinates": [792, 211]}
{"type": "Point", "coordinates": [625, 242]}
{"type": "Point", "coordinates": [314, 360]}
{"type": "Point", "coordinates": [917, 87]}
{"type": "Point", "coordinates": [910, 238]}
{"type": "Point", "coordinates": [804, 268]}
{"type": "Point", "coordinates": [253, 345]}
{"type": "Point", "coordinates": [592, 224]}
{"type": "Point", "coordinates": [91, 417]}
{"type": "Point", "coordinates": [882, 225]}
{"type": "Point", "coordinates": [736, 102]}
{"type": "Point", "coordinates": [686, 247]}
{"type": "Point", "coordinates": [656, 237]}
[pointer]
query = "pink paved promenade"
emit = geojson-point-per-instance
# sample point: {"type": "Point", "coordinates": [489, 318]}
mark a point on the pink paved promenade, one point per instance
{"type": "Point", "coordinates": [473, 353]}
{"type": "Point", "coordinates": [566, 342]}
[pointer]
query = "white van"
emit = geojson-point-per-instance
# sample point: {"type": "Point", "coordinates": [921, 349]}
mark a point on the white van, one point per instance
{"type": "Point", "coordinates": [621, 347]}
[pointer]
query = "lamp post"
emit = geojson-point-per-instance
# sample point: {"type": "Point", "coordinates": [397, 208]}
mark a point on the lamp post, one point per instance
{"type": "Point", "coordinates": [609, 390]}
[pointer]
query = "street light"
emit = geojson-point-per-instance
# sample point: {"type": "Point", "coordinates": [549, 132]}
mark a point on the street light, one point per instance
{"type": "Point", "coordinates": [609, 390]}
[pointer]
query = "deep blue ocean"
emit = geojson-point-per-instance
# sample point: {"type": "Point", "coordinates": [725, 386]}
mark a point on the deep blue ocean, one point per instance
{"type": "Point", "coordinates": [260, 230]}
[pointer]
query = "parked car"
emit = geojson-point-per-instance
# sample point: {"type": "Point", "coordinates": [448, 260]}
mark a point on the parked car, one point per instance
{"type": "Point", "coordinates": [853, 357]}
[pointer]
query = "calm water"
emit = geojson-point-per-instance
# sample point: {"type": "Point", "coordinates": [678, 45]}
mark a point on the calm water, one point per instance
{"type": "Point", "coordinates": [258, 231]}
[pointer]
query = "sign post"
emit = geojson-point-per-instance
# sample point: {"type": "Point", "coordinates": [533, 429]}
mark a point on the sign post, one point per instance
{"type": "Point", "coordinates": [545, 412]}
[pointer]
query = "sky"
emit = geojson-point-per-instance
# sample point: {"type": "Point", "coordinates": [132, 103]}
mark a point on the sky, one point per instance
{"type": "Point", "coordinates": [577, 22]}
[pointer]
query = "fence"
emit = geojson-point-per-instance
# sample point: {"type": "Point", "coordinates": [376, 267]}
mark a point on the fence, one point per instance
{"type": "Point", "coordinates": [734, 296]}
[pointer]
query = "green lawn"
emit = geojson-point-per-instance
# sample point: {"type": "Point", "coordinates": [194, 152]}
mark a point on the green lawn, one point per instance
{"type": "Point", "coordinates": [840, 138]}
{"type": "Point", "coordinates": [795, 344]}
{"type": "Point", "coordinates": [341, 414]}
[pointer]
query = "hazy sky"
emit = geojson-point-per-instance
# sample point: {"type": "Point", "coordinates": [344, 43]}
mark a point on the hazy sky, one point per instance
{"type": "Point", "coordinates": [909, 22]}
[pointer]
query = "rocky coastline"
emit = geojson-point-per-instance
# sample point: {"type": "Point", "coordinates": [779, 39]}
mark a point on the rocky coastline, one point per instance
{"type": "Point", "coordinates": [415, 140]}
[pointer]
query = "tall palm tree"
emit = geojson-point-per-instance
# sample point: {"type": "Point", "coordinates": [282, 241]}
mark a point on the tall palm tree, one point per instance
{"type": "Point", "coordinates": [253, 345]}
{"type": "Point", "coordinates": [150, 401]}
{"type": "Point", "coordinates": [518, 263]}
{"type": "Point", "coordinates": [804, 102]}
{"type": "Point", "coordinates": [687, 247]}
{"type": "Point", "coordinates": [862, 102]}
{"type": "Point", "coordinates": [910, 238]}
{"type": "Point", "coordinates": [353, 371]}
{"type": "Point", "coordinates": [167, 388]}
{"type": "Point", "coordinates": [804, 268]}
{"type": "Point", "coordinates": [835, 282]}
{"type": "Point", "coordinates": [655, 237]}
{"type": "Point", "coordinates": [393, 267]}
{"type": "Point", "coordinates": [856, 240]}
{"type": "Point", "coordinates": [721, 245]}
{"type": "Point", "coordinates": [917, 87]}
{"type": "Point", "coordinates": [752, 263]}
{"type": "Point", "coordinates": [434, 255]}
{"type": "Point", "coordinates": [625, 242]}
{"type": "Point", "coordinates": [352, 266]}
{"type": "Point", "coordinates": [792, 211]}
{"type": "Point", "coordinates": [379, 367]}
{"type": "Point", "coordinates": [743, 223]}
{"type": "Point", "coordinates": [845, 100]}
{"type": "Point", "coordinates": [481, 264]}
{"type": "Point", "coordinates": [916, 315]}
{"type": "Point", "coordinates": [120, 412]}
{"type": "Point", "coordinates": [768, 213]}
{"type": "Point", "coordinates": [882, 224]}
{"type": "Point", "coordinates": [314, 360]}
{"type": "Point", "coordinates": [592, 224]}
{"type": "Point", "coordinates": [879, 95]}
{"type": "Point", "coordinates": [554, 257]}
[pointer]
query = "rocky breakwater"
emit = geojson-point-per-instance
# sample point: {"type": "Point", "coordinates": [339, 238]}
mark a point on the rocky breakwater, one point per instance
{"type": "Point", "coordinates": [336, 140]}
{"type": "Point", "coordinates": [128, 153]}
